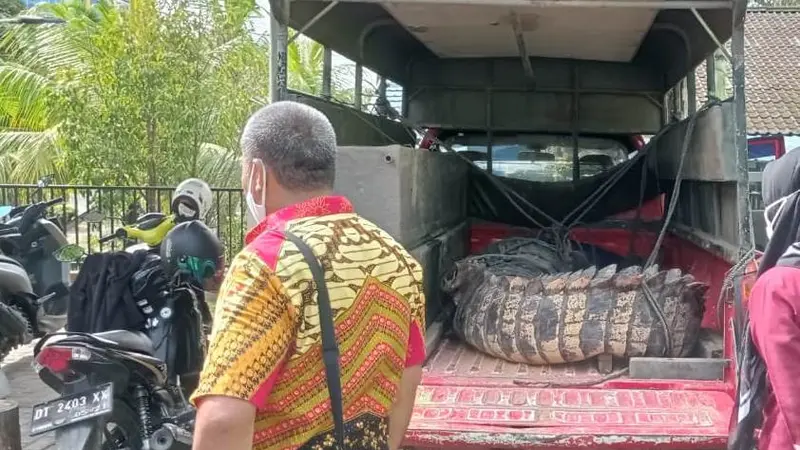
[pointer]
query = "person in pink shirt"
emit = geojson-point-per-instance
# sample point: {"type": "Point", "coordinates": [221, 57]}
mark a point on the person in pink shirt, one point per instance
{"type": "Point", "coordinates": [768, 394]}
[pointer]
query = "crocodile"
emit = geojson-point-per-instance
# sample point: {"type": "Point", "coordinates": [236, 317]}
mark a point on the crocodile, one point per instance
{"type": "Point", "coordinates": [532, 306]}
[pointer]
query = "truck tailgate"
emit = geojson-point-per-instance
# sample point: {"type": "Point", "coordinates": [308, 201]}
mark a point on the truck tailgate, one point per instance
{"type": "Point", "coordinates": [469, 400]}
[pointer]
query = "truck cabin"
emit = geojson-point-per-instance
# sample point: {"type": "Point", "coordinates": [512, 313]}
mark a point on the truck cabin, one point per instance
{"type": "Point", "coordinates": [526, 119]}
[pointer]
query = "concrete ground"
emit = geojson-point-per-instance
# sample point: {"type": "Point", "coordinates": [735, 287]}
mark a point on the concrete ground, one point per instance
{"type": "Point", "coordinates": [27, 390]}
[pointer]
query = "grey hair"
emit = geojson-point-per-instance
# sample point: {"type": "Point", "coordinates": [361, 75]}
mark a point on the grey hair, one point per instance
{"type": "Point", "coordinates": [296, 142]}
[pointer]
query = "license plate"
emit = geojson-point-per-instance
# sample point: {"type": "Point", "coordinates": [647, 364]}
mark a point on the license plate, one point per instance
{"type": "Point", "coordinates": [72, 408]}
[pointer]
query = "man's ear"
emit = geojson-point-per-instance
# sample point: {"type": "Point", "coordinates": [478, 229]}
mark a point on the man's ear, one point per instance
{"type": "Point", "coordinates": [259, 182]}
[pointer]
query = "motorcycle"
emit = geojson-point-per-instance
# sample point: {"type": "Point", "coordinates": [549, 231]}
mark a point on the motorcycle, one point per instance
{"type": "Point", "coordinates": [150, 229]}
{"type": "Point", "coordinates": [191, 200]}
{"type": "Point", "coordinates": [124, 389]}
{"type": "Point", "coordinates": [131, 381]}
{"type": "Point", "coordinates": [33, 282]}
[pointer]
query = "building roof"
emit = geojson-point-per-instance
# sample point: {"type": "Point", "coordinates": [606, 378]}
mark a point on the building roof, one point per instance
{"type": "Point", "coordinates": [772, 72]}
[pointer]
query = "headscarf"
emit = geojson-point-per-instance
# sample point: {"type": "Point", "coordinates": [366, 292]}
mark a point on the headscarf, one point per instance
{"type": "Point", "coordinates": [781, 194]}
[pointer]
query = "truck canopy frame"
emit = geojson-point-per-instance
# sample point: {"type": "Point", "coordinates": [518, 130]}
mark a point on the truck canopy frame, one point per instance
{"type": "Point", "coordinates": [399, 39]}
{"type": "Point", "coordinates": [386, 36]}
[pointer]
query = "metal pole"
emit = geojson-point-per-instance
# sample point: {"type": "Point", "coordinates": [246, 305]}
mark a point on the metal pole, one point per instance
{"type": "Point", "coordinates": [676, 106]}
{"type": "Point", "coordinates": [314, 20]}
{"type": "Point", "coordinates": [745, 233]}
{"type": "Point", "coordinates": [691, 91]}
{"type": "Point", "coordinates": [489, 131]}
{"type": "Point", "coordinates": [711, 34]}
{"type": "Point", "coordinates": [711, 77]}
{"type": "Point", "coordinates": [516, 26]}
{"type": "Point", "coordinates": [574, 118]}
{"type": "Point", "coordinates": [357, 93]}
{"type": "Point", "coordinates": [740, 127]}
{"type": "Point", "coordinates": [327, 58]}
{"type": "Point", "coordinates": [278, 41]}
{"type": "Point", "coordinates": [489, 119]}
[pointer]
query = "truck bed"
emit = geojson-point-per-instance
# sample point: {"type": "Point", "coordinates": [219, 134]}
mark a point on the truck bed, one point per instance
{"type": "Point", "coordinates": [470, 400]}
{"type": "Point", "coordinates": [453, 360]}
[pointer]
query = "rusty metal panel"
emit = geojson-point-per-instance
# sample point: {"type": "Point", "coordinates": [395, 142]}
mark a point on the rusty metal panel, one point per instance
{"type": "Point", "coordinates": [528, 111]}
{"type": "Point", "coordinates": [412, 194]}
{"type": "Point", "coordinates": [454, 246]}
{"type": "Point", "coordinates": [453, 416]}
{"type": "Point", "coordinates": [354, 127]}
{"type": "Point", "coordinates": [615, 113]}
{"type": "Point", "coordinates": [677, 368]}
{"type": "Point", "coordinates": [551, 74]}
{"type": "Point", "coordinates": [614, 98]}
{"type": "Point", "coordinates": [427, 255]}
{"type": "Point", "coordinates": [709, 154]}
{"type": "Point", "coordinates": [469, 400]}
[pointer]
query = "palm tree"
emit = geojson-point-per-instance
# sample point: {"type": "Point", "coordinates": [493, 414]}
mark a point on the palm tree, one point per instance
{"type": "Point", "coordinates": [46, 70]}
{"type": "Point", "coordinates": [32, 55]}
{"type": "Point", "coordinates": [73, 103]}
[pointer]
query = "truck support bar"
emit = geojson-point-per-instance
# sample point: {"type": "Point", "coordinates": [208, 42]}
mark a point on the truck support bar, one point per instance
{"type": "Point", "coordinates": [711, 34]}
{"type": "Point", "coordinates": [279, 41]}
{"type": "Point", "coordinates": [516, 26]}
{"type": "Point", "coordinates": [740, 141]}
{"type": "Point", "coordinates": [313, 20]}
{"type": "Point", "coordinates": [327, 63]}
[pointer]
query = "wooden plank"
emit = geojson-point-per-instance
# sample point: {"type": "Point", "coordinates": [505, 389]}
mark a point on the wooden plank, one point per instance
{"type": "Point", "coordinates": [10, 435]}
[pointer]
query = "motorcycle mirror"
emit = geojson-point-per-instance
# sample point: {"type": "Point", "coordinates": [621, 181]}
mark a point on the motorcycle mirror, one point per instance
{"type": "Point", "coordinates": [45, 181]}
{"type": "Point", "coordinates": [69, 253]}
{"type": "Point", "coordinates": [92, 216]}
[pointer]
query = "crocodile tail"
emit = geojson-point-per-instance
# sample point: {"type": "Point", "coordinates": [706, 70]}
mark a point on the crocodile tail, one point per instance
{"type": "Point", "coordinates": [573, 316]}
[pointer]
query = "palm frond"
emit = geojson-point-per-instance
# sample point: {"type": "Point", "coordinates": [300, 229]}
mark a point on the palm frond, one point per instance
{"type": "Point", "coordinates": [218, 166]}
{"type": "Point", "coordinates": [28, 155]}
{"type": "Point", "coordinates": [23, 95]}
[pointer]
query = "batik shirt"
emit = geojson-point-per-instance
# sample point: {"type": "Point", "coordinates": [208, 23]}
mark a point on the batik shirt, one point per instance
{"type": "Point", "coordinates": [266, 344]}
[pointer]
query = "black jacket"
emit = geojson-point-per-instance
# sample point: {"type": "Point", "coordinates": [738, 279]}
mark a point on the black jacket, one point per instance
{"type": "Point", "coordinates": [100, 299]}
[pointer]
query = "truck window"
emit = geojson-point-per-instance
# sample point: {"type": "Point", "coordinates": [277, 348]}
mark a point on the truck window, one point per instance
{"type": "Point", "coordinates": [542, 157]}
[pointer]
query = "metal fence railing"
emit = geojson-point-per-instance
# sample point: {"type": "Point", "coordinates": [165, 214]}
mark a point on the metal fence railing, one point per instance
{"type": "Point", "coordinates": [122, 204]}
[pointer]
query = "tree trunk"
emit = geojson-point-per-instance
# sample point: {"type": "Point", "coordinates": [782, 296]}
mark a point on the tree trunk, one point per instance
{"type": "Point", "coordinates": [152, 169]}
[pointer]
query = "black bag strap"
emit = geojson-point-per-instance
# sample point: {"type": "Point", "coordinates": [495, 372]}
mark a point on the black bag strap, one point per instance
{"type": "Point", "coordinates": [330, 349]}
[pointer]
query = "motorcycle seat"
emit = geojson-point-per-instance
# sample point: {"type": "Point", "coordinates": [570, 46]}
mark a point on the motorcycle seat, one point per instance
{"type": "Point", "coordinates": [129, 340]}
{"type": "Point", "coordinates": [5, 259]}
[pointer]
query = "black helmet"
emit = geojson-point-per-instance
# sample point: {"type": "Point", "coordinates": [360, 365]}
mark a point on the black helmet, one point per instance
{"type": "Point", "coordinates": [192, 250]}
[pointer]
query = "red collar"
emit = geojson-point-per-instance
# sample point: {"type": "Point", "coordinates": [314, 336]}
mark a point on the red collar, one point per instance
{"type": "Point", "coordinates": [317, 206]}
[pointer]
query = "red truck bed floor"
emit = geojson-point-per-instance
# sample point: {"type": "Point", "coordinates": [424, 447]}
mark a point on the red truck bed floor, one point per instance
{"type": "Point", "coordinates": [472, 401]}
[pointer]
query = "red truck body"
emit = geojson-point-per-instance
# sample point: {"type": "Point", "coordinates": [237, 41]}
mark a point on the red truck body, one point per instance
{"type": "Point", "coordinates": [471, 401]}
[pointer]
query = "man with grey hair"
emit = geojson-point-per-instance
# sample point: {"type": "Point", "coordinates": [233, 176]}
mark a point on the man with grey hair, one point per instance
{"type": "Point", "coordinates": [263, 385]}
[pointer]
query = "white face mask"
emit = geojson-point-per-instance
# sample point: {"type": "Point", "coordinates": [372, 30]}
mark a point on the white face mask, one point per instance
{"type": "Point", "coordinates": [773, 211]}
{"type": "Point", "coordinates": [258, 212]}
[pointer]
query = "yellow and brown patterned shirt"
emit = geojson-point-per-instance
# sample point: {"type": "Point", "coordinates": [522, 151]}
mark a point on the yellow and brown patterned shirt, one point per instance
{"type": "Point", "coordinates": [266, 346]}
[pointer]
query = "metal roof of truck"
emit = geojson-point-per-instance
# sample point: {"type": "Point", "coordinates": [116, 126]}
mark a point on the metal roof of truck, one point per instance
{"type": "Point", "coordinates": [386, 35]}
